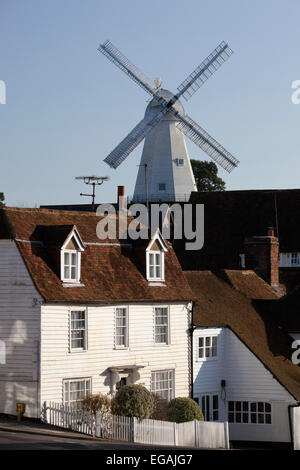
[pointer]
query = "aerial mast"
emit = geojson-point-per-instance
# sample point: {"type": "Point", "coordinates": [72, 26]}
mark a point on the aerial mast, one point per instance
{"type": "Point", "coordinates": [92, 180]}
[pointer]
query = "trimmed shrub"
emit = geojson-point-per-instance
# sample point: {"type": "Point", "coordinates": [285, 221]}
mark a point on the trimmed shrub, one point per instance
{"type": "Point", "coordinates": [160, 408]}
{"type": "Point", "coordinates": [133, 400]}
{"type": "Point", "coordinates": [93, 403]}
{"type": "Point", "coordinates": [184, 409]}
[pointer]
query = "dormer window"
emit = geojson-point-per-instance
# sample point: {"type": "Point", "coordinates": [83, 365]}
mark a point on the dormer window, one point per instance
{"type": "Point", "coordinates": [71, 258]}
{"type": "Point", "coordinates": [155, 259]}
{"type": "Point", "coordinates": [71, 265]}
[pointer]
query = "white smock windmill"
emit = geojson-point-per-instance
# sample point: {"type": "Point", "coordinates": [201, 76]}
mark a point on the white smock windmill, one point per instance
{"type": "Point", "coordinates": [165, 163]}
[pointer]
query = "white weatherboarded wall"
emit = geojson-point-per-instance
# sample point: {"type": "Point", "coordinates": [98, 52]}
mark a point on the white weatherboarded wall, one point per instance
{"type": "Point", "coordinates": [247, 379]}
{"type": "Point", "coordinates": [57, 363]}
{"type": "Point", "coordinates": [295, 416]}
{"type": "Point", "coordinates": [19, 333]}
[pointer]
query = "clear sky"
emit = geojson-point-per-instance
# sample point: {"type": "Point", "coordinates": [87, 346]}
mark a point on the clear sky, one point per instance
{"type": "Point", "coordinates": [67, 106]}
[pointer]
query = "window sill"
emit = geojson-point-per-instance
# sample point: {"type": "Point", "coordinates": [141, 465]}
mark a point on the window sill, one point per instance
{"type": "Point", "coordinates": [121, 348]}
{"type": "Point", "coordinates": [207, 359]}
{"type": "Point", "coordinates": [159, 283]}
{"type": "Point", "coordinates": [72, 284]}
{"type": "Point", "coordinates": [77, 351]}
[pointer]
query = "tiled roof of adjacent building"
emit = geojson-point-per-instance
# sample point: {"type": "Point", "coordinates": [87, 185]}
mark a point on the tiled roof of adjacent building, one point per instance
{"type": "Point", "coordinates": [238, 305]}
{"type": "Point", "coordinates": [231, 216]}
{"type": "Point", "coordinates": [111, 270]}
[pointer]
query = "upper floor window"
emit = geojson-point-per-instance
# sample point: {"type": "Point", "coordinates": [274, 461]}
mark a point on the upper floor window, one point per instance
{"type": "Point", "coordinates": [162, 186]}
{"type": "Point", "coordinates": [71, 258]}
{"type": "Point", "coordinates": [207, 347]}
{"type": "Point", "coordinates": [161, 327]}
{"type": "Point", "coordinates": [121, 339]}
{"type": "Point", "coordinates": [155, 258]}
{"type": "Point", "coordinates": [78, 330]}
{"type": "Point", "coordinates": [289, 259]}
{"type": "Point", "coordinates": [179, 161]}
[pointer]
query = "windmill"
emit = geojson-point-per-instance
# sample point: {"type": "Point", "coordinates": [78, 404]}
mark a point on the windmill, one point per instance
{"type": "Point", "coordinates": [165, 157]}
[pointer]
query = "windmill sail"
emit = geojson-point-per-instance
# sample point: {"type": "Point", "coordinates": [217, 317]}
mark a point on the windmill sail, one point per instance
{"type": "Point", "coordinates": [119, 59]}
{"type": "Point", "coordinates": [132, 140]}
{"type": "Point", "coordinates": [209, 66]}
{"type": "Point", "coordinates": [207, 143]}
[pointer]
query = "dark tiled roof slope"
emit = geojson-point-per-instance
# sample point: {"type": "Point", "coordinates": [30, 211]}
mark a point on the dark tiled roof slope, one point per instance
{"type": "Point", "coordinates": [110, 272]}
{"type": "Point", "coordinates": [231, 216]}
{"type": "Point", "coordinates": [220, 305]}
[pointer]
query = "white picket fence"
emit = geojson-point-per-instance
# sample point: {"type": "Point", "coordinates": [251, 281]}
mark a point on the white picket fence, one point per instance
{"type": "Point", "coordinates": [199, 434]}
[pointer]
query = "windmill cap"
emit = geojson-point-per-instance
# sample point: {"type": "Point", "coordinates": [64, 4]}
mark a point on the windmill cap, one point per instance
{"type": "Point", "coordinates": [167, 95]}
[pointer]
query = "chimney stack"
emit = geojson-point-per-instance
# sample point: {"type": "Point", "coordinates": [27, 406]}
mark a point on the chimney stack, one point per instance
{"type": "Point", "coordinates": [121, 198]}
{"type": "Point", "coordinates": [262, 255]}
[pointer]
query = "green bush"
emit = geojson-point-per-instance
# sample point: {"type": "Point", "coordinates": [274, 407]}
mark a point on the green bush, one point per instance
{"type": "Point", "coordinates": [133, 400]}
{"type": "Point", "coordinates": [181, 410]}
{"type": "Point", "coordinates": [93, 403]}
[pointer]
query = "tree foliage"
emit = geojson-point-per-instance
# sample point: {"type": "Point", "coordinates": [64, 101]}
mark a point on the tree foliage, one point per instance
{"type": "Point", "coordinates": [2, 199]}
{"type": "Point", "coordinates": [133, 400]}
{"type": "Point", "coordinates": [184, 409]}
{"type": "Point", "coordinates": [206, 176]}
{"type": "Point", "coordinates": [94, 403]}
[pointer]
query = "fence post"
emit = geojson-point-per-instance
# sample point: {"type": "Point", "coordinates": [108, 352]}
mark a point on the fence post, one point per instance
{"type": "Point", "coordinates": [226, 434]}
{"type": "Point", "coordinates": [44, 412]}
{"type": "Point", "coordinates": [196, 432]}
{"type": "Point", "coordinates": [98, 424]}
{"type": "Point", "coordinates": [175, 434]}
{"type": "Point", "coordinates": [132, 428]}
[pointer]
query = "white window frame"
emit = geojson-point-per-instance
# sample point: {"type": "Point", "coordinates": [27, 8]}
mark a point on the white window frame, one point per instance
{"type": "Point", "coordinates": [78, 266]}
{"type": "Point", "coordinates": [78, 309]}
{"type": "Point", "coordinates": [208, 414]}
{"type": "Point", "coordinates": [249, 412]}
{"type": "Point", "coordinates": [161, 265]}
{"type": "Point", "coordinates": [67, 382]}
{"type": "Point", "coordinates": [178, 160]}
{"type": "Point", "coordinates": [70, 280]}
{"type": "Point", "coordinates": [168, 334]}
{"type": "Point", "coordinates": [290, 259]}
{"type": "Point", "coordinates": [170, 378]}
{"type": "Point", "coordinates": [210, 346]}
{"type": "Point", "coordinates": [126, 345]}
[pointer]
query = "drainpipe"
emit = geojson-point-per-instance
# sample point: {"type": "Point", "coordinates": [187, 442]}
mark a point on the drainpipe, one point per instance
{"type": "Point", "coordinates": [290, 421]}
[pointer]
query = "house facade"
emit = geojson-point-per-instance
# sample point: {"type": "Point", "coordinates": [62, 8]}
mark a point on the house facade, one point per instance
{"type": "Point", "coordinates": [81, 315]}
{"type": "Point", "coordinates": [242, 368]}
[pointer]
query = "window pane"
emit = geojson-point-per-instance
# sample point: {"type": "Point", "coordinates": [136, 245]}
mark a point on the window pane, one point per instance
{"type": "Point", "coordinates": [230, 417]}
{"type": "Point", "coordinates": [245, 418]}
{"type": "Point", "coordinates": [268, 407]}
{"type": "Point", "coordinates": [268, 419]}
{"type": "Point", "coordinates": [231, 406]}
{"type": "Point", "coordinates": [253, 417]}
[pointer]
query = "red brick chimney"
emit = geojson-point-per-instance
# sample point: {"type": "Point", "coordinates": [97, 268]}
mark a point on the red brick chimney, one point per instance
{"type": "Point", "coordinates": [121, 197]}
{"type": "Point", "coordinates": [262, 255]}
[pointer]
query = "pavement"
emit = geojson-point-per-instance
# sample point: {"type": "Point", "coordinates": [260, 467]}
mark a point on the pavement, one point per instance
{"type": "Point", "coordinates": [32, 427]}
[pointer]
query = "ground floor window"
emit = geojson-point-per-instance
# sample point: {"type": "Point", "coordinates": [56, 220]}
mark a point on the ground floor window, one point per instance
{"type": "Point", "coordinates": [209, 404]}
{"type": "Point", "coordinates": [162, 383]}
{"type": "Point", "coordinates": [75, 390]}
{"type": "Point", "coordinates": [246, 412]}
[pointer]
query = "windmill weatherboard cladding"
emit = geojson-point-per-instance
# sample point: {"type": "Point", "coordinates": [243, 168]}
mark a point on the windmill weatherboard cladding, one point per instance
{"type": "Point", "coordinates": [165, 157]}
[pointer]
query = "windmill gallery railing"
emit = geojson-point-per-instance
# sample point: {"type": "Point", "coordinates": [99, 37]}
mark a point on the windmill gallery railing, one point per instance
{"type": "Point", "coordinates": [199, 434]}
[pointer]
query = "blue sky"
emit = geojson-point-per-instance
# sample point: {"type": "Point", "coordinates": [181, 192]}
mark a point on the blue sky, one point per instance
{"type": "Point", "coordinates": [67, 106]}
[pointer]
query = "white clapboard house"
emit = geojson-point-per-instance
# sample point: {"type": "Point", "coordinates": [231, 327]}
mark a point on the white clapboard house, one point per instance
{"type": "Point", "coordinates": [81, 315]}
{"type": "Point", "coordinates": [242, 367]}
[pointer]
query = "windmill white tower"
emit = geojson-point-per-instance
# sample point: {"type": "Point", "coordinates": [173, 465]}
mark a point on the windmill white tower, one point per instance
{"type": "Point", "coordinates": [165, 172]}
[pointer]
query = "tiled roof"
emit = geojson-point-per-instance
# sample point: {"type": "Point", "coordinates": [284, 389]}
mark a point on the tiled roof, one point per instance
{"type": "Point", "coordinates": [219, 304]}
{"type": "Point", "coordinates": [231, 216]}
{"type": "Point", "coordinates": [111, 270]}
